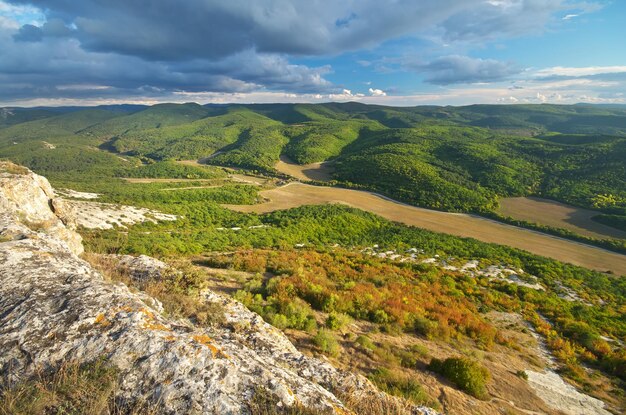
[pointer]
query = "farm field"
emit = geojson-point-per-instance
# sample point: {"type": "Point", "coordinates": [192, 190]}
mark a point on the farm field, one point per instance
{"type": "Point", "coordinates": [551, 213]}
{"type": "Point", "coordinates": [464, 225]}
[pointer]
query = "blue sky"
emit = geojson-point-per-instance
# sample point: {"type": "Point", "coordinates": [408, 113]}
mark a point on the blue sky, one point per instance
{"type": "Point", "coordinates": [393, 52]}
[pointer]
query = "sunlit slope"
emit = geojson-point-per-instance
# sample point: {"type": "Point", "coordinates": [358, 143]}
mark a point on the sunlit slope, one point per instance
{"type": "Point", "coordinates": [157, 116]}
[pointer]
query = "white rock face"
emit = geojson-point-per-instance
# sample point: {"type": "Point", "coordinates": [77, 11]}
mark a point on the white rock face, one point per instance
{"type": "Point", "coordinates": [559, 395]}
{"type": "Point", "coordinates": [27, 199]}
{"type": "Point", "coordinates": [54, 308]}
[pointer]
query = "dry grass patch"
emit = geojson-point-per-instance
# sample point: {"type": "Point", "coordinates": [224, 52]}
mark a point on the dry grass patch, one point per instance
{"type": "Point", "coordinates": [314, 171]}
{"type": "Point", "coordinates": [72, 389]}
{"type": "Point", "coordinates": [555, 214]}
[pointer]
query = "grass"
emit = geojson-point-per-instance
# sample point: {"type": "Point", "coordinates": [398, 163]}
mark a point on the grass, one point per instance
{"type": "Point", "coordinates": [8, 167]}
{"type": "Point", "coordinates": [401, 385]}
{"type": "Point", "coordinates": [71, 389]}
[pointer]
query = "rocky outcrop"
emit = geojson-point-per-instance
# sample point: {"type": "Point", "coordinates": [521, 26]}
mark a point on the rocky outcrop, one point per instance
{"type": "Point", "coordinates": [28, 200]}
{"type": "Point", "coordinates": [54, 308]}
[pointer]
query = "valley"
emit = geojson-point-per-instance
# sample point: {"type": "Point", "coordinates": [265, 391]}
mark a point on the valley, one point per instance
{"type": "Point", "coordinates": [467, 226]}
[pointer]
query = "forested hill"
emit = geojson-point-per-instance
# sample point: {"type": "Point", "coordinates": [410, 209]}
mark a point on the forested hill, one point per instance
{"type": "Point", "coordinates": [448, 158]}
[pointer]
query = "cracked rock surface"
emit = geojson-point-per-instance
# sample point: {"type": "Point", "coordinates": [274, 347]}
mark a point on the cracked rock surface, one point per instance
{"type": "Point", "coordinates": [54, 308]}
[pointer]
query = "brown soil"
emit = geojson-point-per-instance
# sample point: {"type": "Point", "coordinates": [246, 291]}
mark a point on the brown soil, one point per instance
{"type": "Point", "coordinates": [315, 171]}
{"type": "Point", "coordinates": [550, 213]}
{"type": "Point", "coordinates": [464, 225]}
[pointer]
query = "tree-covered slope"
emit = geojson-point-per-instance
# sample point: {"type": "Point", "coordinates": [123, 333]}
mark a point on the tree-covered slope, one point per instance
{"type": "Point", "coordinates": [450, 158]}
{"type": "Point", "coordinates": [156, 116]}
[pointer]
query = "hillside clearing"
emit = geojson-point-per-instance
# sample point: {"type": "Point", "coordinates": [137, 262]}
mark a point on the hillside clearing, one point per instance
{"type": "Point", "coordinates": [314, 171]}
{"type": "Point", "coordinates": [551, 213]}
{"type": "Point", "coordinates": [464, 225]}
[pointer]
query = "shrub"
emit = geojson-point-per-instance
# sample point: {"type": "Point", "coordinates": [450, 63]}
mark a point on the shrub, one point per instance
{"type": "Point", "coordinates": [72, 389]}
{"type": "Point", "coordinates": [522, 374]}
{"type": "Point", "coordinates": [336, 321]}
{"type": "Point", "coordinates": [468, 375]}
{"type": "Point", "coordinates": [379, 316]}
{"type": "Point", "coordinates": [365, 342]}
{"type": "Point", "coordinates": [279, 321]}
{"type": "Point", "coordinates": [311, 325]}
{"type": "Point", "coordinates": [425, 327]}
{"type": "Point", "coordinates": [184, 280]}
{"type": "Point", "coordinates": [327, 342]}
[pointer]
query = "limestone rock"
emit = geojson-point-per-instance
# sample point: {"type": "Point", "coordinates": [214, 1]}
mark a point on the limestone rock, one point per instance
{"type": "Point", "coordinates": [28, 199]}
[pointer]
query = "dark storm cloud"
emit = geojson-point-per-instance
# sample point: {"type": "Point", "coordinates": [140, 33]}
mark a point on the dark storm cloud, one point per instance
{"type": "Point", "coordinates": [230, 46]}
{"type": "Point", "coordinates": [177, 30]}
{"type": "Point", "coordinates": [29, 33]}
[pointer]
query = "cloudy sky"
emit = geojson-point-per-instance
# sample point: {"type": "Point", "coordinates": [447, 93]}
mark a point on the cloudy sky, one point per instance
{"type": "Point", "coordinates": [395, 52]}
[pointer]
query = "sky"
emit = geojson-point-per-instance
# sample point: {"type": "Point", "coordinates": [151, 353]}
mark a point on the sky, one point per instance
{"type": "Point", "coordinates": [391, 52]}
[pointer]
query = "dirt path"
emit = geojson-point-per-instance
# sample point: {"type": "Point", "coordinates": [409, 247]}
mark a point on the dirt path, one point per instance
{"type": "Point", "coordinates": [315, 171]}
{"type": "Point", "coordinates": [464, 225]}
{"type": "Point", "coordinates": [171, 189]}
{"type": "Point", "coordinates": [148, 180]}
{"type": "Point", "coordinates": [234, 178]}
{"type": "Point", "coordinates": [551, 213]}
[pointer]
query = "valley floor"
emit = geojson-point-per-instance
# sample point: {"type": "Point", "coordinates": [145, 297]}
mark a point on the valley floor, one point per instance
{"type": "Point", "coordinates": [464, 225]}
{"type": "Point", "coordinates": [555, 214]}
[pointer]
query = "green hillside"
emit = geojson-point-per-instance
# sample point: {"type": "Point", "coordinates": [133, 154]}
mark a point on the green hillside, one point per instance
{"type": "Point", "coordinates": [448, 158]}
{"type": "Point", "coordinates": [157, 116]}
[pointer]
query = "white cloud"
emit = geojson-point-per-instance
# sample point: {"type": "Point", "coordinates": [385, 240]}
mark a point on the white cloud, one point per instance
{"type": "Point", "coordinates": [23, 14]}
{"type": "Point", "coordinates": [569, 16]}
{"type": "Point", "coordinates": [580, 71]}
{"type": "Point", "coordinates": [377, 92]}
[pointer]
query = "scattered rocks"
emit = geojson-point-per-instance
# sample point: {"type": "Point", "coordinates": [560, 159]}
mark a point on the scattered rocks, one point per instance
{"type": "Point", "coordinates": [554, 391]}
{"type": "Point", "coordinates": [471, 268]}
{"type": "Point", "coordinates": [94, 215]}
{"type": "Point", "coordinates": [77, 195]}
